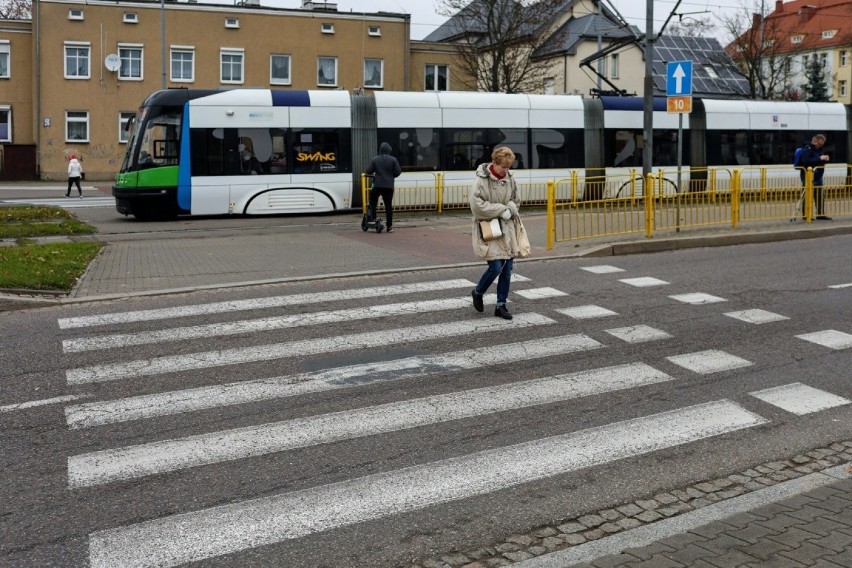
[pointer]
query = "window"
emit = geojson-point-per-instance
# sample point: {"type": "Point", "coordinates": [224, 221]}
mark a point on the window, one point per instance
{"type": "Point", "coordinates": [327, 71]}
{"type": "Point", "coordinates": [5, 124]}
{"type": "Point", "coordinates": [76, 126]}
{"type": "Point", "coordinates": [131, 18]}
{"type": "Point", "coordinates": [131, 62]}
{"type": "Point", "coordinates": [124, 119]}
{"type": "Point", "coordinates": [232, 66]}
{"type": "Point", "coordinates": [373, 73]}
{"type": "Point", "coordinates": [417, 149]}
{"type": "Point", "coordinates": [613, 66]}
{"type": "Point", "coordinates": [232, 22]}
{"type": "Point", "coordinates": [327, 28]}
{"type": "Point", "coordinates": [823, 59]}
{"type": "Point", "coordinates": [842, 87]}
{"type": "Point", "coordinates": [797, 39]}
{"type": "Point", "coordinates": [183, 64]}
{"type": "Point", "coordinates": [828, 34]}
{"type": "Point", "coordinates": [804, 62]}
{"type": "Point", "coordinates": [279, 69]}
{"type": "Point", "coordinates": [76, 61]}
{"type": "Point", "coordinates": [75, 14]}
{"type": "Point", "coordinates": [844, 57]}
{"type": "Point", "coordinates": [437, 78]}
{"type": "Point", "coordinates": [5, 71]}
{"type": "Point", "coordinates": [549, 86]}
{"type": "Point", "coordinates": [319, 150]}
{"type": "Point", "coordinates": [473, 146]}
{"type": "Point", "coordinates": [374, 30]}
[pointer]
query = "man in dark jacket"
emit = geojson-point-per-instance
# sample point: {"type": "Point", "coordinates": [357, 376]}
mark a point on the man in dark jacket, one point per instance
{"type": "Point", "coordinates": [812, 156]}
{"type": "Point", "coordinates": [385, 168]}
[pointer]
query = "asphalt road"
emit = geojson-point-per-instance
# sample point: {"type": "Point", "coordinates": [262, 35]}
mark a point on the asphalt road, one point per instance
{"type": "Point", "coordinates": [271, 477]}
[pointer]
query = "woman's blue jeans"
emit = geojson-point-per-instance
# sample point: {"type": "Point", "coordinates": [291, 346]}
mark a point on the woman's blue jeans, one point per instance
{"type": "Point", "coordinates": [502, 268]}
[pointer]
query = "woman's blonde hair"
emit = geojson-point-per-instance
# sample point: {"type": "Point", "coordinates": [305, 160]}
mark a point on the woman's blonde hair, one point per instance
{"type": "Point", "coordinates": [503, 156]}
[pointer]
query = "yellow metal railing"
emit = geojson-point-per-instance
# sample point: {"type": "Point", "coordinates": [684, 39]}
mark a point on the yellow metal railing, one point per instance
{"type": "Point", "coordinates": [704, 198]}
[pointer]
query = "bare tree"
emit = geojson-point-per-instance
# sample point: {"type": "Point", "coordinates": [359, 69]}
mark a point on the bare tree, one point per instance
{"type": "Point", "coordinates": [691, 27]}
{"type": "Point", "coordinates": [496, 41]}
{"type": "Point", "coordinates": [16, 9]}
{"type": "Point", "coordinates": [755, 46]}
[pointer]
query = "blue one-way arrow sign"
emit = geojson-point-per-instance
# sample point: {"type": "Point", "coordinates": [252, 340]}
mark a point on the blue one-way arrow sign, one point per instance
{"type": "Point", "coordinates": [679, 78]}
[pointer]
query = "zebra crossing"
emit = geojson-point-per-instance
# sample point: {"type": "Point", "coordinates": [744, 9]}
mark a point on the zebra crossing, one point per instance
{"type": "Point", "coordinates": [239, 526]}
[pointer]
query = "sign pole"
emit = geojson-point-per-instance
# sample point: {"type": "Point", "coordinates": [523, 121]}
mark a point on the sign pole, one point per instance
{"type": "Point", "coordinates": [679, 165]}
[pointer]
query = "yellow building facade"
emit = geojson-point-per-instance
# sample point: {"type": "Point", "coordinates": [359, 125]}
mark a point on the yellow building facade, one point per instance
{"type": "Point", "coordinates": [78, 71]}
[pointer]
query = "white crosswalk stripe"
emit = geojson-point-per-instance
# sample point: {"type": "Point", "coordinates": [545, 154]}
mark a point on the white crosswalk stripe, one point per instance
{"type": "Point", "coordinates": [224, 357]}
{"type": "Point", "coordinates": [261, 303]}
{"type": "Point", "coordinates": [159, 457]}
{"type": "Point", "coordinates": [242, 392]}
{"type": "Point", "coordinates": [266, 324]}
{"type": "Point", "coordinates": [197, 535]}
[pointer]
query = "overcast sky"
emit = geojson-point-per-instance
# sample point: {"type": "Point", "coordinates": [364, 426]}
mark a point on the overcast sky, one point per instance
{"type": "Point", "coordinates": [424, 16]}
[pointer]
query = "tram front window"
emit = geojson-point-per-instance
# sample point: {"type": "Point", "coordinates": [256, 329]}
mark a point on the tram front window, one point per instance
{"type": "Point", "coordinates": [160, 141]}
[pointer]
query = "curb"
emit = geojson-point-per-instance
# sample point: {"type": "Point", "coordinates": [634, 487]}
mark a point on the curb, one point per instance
{"type": "Point", "coordinates": [645, 521]}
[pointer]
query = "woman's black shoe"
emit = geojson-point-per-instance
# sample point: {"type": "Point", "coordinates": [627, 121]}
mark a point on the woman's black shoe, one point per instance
{"type": "Point", "coordinates": [502, 312]}
{"type": "Point", "coordinates": [477, 301]}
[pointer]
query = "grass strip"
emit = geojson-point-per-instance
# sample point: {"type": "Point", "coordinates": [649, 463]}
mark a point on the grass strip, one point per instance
{"type": "Point", "coordinates": [22, 213]}
{"type": "Point", "coordinates": [63, 227]}
{"type": "Point", "coordinates": [45, 267]}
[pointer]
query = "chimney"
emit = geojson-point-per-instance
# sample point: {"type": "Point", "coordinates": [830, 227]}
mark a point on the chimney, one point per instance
{"type": "Point", "coordinates": [779, 5]}
{"type": "Point", "coordinates": [806, 13]}
{"type": "Point", "coordinates": [755, 21]}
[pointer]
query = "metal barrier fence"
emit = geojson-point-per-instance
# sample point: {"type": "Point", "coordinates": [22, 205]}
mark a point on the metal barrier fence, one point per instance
{"type": "Point", "coordinates": [699, 198]}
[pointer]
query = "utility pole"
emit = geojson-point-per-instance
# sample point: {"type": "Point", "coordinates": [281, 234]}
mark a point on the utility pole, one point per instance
{"type": "Point", "coordinates": [648, 148]}
{"type": "Point", "coordinates": [163, 40]}
{"type": "Point", "coordinates": [600, 46]}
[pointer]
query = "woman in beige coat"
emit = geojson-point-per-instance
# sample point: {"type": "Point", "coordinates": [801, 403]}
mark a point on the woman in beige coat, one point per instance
{"type": "Point", "coordinates": [495, 195]}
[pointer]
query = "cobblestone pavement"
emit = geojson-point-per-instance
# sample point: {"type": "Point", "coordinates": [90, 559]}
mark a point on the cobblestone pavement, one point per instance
{"type": "Point", "coordinates": [786, 514]}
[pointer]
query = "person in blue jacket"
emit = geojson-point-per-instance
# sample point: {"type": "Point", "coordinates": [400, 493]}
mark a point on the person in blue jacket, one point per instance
{"type": "Point", "coordinates": [385, 167]}
{"type": "Point", "coordinates": [812, 156]}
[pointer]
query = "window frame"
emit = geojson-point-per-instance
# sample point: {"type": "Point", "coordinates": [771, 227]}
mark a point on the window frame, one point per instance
{"type": "Point", "coordinates": [327, 28]}
{"type": "Point", "coordinates": [381, 84]}
{"type": "Point", "coordinates": [88, 58]}
{"type": "Point", "coordinates": [844, 57]}
{"type": "Point", "coordinates": [232, 52]}
{"type": "Point", "coordinates": [130, 18]}
{"type": "Point", "coordinates": [182, 49]}
{"type": "Point", "coordinates": [8, 110]}
{"type": "Point", "coordinates": [279, 81]}
{"type": "Point", "coordinates": [828, 34]}
{"type": "Point", "coordinates": [613, 67]}
{"type": "Point", "coordinates": [798, 38]}
{"type": "Point", "coordinates": [435, 68]}
{"type": "Point", "coordinates": [131, 47]}
{"type": "Point", "coordinates": [6, 50]}
{"type": "Point", "coordinates": [842, 88]}
{"type": "Point", "coordinates": [320, 58]}
{"type": "Point", "coordinates": [123, 118]}
{"type": "Point", "coordinates": [77, 120]}
{"type": "Point", "coordinates": [76, 14]}
{"type": "Point", "coordinates": [375, 31]}
{"type": "Point", "coordinates": [232, 23]}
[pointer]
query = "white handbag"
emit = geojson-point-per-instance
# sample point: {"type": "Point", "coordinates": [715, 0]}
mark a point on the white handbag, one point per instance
{"type": "Point", "coordinates": [490, 229]}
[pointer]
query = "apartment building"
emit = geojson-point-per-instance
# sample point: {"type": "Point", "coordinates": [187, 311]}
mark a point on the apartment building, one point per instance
{"type": "Point", "coordinates": [73, 76]}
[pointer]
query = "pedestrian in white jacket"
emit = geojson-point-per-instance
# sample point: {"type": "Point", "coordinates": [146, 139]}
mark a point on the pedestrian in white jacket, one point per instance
{"type": "Point", "coordinates": [495, 196]}
{"type": "Point", "coordinates": [75, 172]}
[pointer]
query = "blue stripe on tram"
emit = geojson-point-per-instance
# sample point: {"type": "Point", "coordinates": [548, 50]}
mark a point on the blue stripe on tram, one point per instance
{"type": "Point", "coordinates": [290, 98]}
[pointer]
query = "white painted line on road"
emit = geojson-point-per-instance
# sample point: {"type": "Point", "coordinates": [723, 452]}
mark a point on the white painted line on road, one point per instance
{"type": "Point", "coordinates": [261, 303]}
{"type": "Point", "coordinates": [710, 361]}
{"type": "Point", "coordinates": [237, 356]}
{"type": "Point", "coordinates": [518, 278]}
{"type": "Point", "coordinates": [602, 269]}
{"type": "Point", "coordinates": [241, 392]}
{"type": "Point", "coordinates": [756, 316]}
{"type": "Point", "coordinates": [799, 399]}
{"type": "Point", "coordinates": [43, 402]}
{"type": "Point", "coordinates": [638, 334]}
{"type": "Point", "coordinates": [848, 285]}
{"type": "Point", "coordinates": [540, 293]}
{"type": "Point", "coordinates": [830, 338]}
{"type": "Point", "coordinates": [142, 460]}
{"type": "Point", "coordinates": [644, 281]}
{"type": "Point", "coordinates": [587, 312]}
{"type": "Point", "coordinates": [697, 298]}
{"type": "Point", "coordinates": [266, 324]}
{"type": "Point", "coordinates": [208, 533]}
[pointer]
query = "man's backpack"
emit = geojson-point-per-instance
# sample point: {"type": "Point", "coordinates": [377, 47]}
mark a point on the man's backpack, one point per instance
{"type": "Point", "coordinates": [796, 157]}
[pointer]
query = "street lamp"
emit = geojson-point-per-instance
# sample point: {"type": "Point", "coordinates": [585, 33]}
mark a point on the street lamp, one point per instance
{"type": "Point", "coordinates": [163, 40]}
